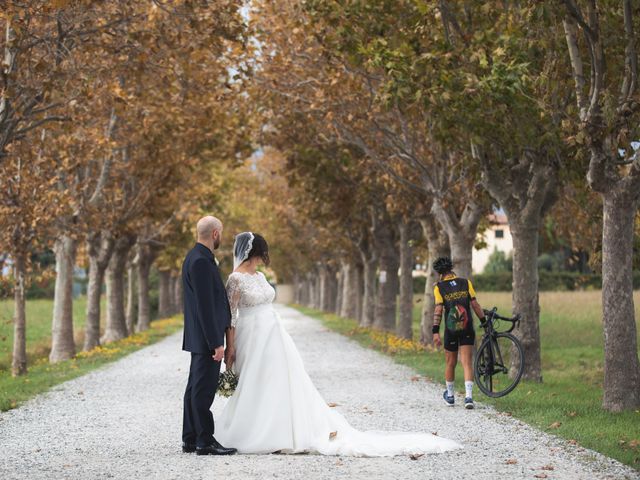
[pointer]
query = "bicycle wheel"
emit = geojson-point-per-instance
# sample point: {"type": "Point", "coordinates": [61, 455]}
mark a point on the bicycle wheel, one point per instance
{"type": "Point", "coordinates": [498, 366]}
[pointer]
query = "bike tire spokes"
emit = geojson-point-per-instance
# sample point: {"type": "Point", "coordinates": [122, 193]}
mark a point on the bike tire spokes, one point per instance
{"type": "Point", "coordinates": [499, 364]}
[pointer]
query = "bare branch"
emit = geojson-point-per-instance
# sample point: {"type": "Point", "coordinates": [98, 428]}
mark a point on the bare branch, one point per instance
{"type": "Point", "coordinates": [41, 122]}
{"type": "Point", "coordinates": [570, 30]}
{"type": "Point", "coordinates": [631, 56]}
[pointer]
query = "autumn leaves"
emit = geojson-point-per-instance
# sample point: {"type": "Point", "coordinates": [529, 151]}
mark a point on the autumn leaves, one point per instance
{"type": "Point", "coordinates": [113, 119]}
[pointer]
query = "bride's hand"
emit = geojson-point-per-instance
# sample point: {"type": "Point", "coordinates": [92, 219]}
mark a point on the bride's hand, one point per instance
{"type": "Point", "coordinates": [229, 356]}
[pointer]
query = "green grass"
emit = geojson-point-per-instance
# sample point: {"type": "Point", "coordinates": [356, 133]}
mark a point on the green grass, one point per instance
{"type": "Point", "coordinates": [39, 313]}
{"type": "Point", "coordinates": [568, 402]}
{"type": "Point", "coordinates": [42, 375]}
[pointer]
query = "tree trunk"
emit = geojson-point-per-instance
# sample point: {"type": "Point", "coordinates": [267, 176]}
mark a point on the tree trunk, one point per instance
{"type": "Point", "coordinates": [621, 367]}
{"type": "Point", "coordinates": [462, 232]}
{"type": "Point", "coordinates": [385, 239]}
{"type": "Point", "coordinates": [19, 360]}
{"type": "Point", "coordinates": [172, 295]}
{"type": "Point", "coordinates": [116, 325]}
{"type": "Point", "coordinates": [359, 274]}
{"type": "Point", "coordinates": [145, 260]}
{"type": "Point", "coordinates": [535, 175]}
{"type": "Point", "coordinates": [525, 296]}
{"type": "Point", "coordinates": [306, 292]}
{"type": "Point", "coordinates": [299, 283]}
{"type": "Point", "coordinates": [322, 287]}
{"type": "Point", "coordinates": [164, 294]}
{"type": "Point", "coordinates": [405, 320]}
{"type": "Point", "coordinates": [132, 297]}
{"type": "Point", "coordinates": [313, 291]}
{"type": "Point", "coordinates": [99, 251]}
{"type": "Point", "coordinates": [370, 265]}
{"type": "Point", "coordinates": [94, 293]}
{"type": "Point", "coordinates": [62, 342]}
{"type": "Point", "coordinates": [327, 288]}
{"type": "Point", "coordinates": [461, 254]}
{"type": "Point", "coordinates": [340, 294]}
{"type": "Point", "coordinates": [177, 293]}
{"type": "Point", "coordinates": [438, 246]}
{"type": "Point", "coordinates": [332, 289]}
{"type": "Point", "coordinates": [350, 296]}
{"type": "Point", "coordinates": [386, 300]}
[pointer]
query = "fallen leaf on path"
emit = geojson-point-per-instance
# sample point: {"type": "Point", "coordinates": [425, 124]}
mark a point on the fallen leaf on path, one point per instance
{"type": "Point", "coordinates": [434, 433]}
{"type": "Point", "coordinates": [541, 475]}
{"type": "Point", "coordinates": [331, 404]}
{"type": "Point", "coordinates": [573, 441]}
{"type": "Point", "coordinates": [333, 435]}
{"type": "Point", "coordinates": [415, 456]}
{"type": "Point", "coordinates": [415, 378]}
{"type": "Point", "coordinates": [511, 461]}
{"type": "Point", "coordinates": [555, 425]}
{"type": "Point", "coordinates": [547, 467]}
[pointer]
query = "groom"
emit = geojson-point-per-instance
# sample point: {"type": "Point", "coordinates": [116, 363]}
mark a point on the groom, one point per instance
{"type": "Point", "coordinates": [207, 318]}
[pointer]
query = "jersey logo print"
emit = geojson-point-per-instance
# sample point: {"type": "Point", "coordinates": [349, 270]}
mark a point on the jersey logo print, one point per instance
{"type": "Point", "coordinates": [457, 320]}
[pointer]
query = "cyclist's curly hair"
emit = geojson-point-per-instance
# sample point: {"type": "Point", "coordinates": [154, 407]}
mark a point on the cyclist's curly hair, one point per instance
{"type": "Point", "coordinates": [443, 265]}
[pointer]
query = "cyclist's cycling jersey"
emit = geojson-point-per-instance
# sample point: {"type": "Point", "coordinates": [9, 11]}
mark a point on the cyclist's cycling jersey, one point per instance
{"type": "Point", "coordinates": [455, 293]}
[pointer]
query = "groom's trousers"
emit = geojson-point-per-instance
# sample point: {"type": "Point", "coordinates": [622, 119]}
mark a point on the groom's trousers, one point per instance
{"type": "Point", "coordinates": [197, 425]}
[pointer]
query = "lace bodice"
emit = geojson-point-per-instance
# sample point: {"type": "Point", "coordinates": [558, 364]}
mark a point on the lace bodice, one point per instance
{"type": "Point", "coordinates": [248, 290]}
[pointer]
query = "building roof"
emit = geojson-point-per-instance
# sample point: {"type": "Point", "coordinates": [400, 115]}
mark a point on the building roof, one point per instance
{"type": "Point", "coordinates": [498, 219]}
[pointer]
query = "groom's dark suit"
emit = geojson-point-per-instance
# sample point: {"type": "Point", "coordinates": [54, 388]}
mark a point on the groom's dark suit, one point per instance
{"type": "Point", "coordinates": [206, 317]}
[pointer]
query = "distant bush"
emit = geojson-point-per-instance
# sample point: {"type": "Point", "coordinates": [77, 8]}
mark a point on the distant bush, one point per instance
{"type": "Point", "coordinates": [41, 289]}
{"type": "Point", "coordinates": [418, 284]}
{"type": "Point", "coordinates": [498, 262]}
{"type": "Point", "coordinates": [549, 281]}
{"type": "Point", "coordinates": [551, 262]}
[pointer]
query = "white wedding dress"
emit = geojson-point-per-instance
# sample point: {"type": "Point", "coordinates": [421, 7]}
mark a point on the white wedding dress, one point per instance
{"type": "Point", "coordinates": [276, 407]}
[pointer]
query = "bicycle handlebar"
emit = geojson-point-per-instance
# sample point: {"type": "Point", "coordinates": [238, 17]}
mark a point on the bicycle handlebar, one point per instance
{"type": "Point", "coordinates": [493, 315]}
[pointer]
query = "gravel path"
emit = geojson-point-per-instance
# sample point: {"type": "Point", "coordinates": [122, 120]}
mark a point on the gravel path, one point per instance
{"type": "Point", "coordinates": [124, 420]}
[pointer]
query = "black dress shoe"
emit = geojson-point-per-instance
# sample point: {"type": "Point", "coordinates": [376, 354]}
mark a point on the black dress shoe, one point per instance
{"type": "Point", "coordinates": [188, 447]}
{"type": "Point", "coordinates": [215, 449]}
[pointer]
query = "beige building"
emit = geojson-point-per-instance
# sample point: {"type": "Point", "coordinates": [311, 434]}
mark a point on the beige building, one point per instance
{"type": "Point", "coordinates": [497, 237]}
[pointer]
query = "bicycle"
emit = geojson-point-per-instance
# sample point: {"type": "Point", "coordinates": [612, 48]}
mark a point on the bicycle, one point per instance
{"type": "Point", "coordinates": [499, 361]}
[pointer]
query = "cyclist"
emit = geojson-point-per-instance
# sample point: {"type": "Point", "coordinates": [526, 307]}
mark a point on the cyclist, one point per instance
{"type": "Point", "coordinates": [456, 297]}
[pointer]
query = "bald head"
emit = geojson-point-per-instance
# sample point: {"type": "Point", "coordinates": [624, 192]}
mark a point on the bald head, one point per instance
{"type": "Point", "coordinates": [209, 231]}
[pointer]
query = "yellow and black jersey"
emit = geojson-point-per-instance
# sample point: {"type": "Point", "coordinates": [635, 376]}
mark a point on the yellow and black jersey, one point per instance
{"type": "Point", "coordinates": [455, 293]}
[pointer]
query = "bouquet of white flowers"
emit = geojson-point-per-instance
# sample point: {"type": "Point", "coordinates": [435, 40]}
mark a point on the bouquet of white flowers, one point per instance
{"type": "Point", "coordinates": [227, 383]}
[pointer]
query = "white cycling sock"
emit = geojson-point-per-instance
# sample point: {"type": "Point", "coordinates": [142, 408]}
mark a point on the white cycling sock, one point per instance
{"type": "Point", "coordinates": [468, 387]}
{"type": "Point", "coordinates": [451, 388]}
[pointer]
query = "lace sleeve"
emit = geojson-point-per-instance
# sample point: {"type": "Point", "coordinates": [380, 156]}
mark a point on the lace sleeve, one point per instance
{"type": "Point", "coordinates": [233, 292]}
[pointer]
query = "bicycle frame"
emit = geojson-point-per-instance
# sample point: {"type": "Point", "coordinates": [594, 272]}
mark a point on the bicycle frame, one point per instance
{"type": "Point", "coordinates": [489, 360]}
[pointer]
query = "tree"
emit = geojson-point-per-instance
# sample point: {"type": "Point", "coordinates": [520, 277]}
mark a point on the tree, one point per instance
{"type": "Point", "coordinates": [26, 213]}
{"type": "Point", "coordinates": [607, 117]}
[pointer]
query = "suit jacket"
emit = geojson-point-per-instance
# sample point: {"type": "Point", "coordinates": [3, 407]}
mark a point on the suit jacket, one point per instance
{"type": "Point", "coordinates": [206, 307]}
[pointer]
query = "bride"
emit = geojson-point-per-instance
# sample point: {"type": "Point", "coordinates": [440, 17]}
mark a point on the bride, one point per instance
{"type": "Point", "coordinates": [275, 406]}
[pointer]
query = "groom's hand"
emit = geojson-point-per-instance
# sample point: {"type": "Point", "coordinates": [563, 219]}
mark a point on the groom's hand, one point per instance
{"type": "Point", "coordinates": [229, 356]}
{"type": "Point", "coordinates": [218, 353]}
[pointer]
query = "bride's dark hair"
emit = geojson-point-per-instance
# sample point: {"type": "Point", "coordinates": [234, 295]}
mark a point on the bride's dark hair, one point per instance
{"type": "Point", "coordinates": [259, 249]}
